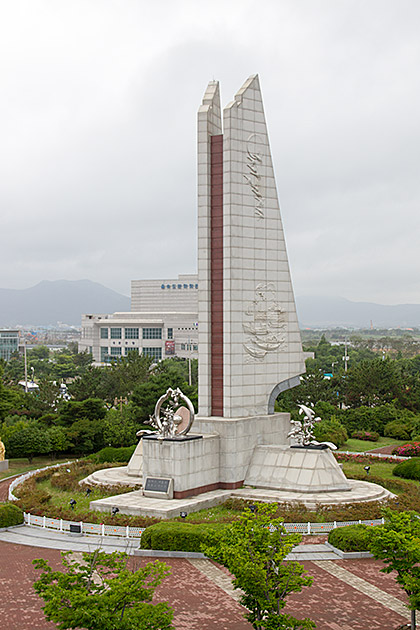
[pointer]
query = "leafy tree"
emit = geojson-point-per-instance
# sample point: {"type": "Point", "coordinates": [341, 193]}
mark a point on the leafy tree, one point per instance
{"type": "Point", "coordinates": [72, 410]}
{"type": "Point", "coordinates": [115, 380]}
{"type": "Point", "coordinates": [9, 399]}
{"type": "Point", "coordinates": [373, 383]}
{"type": "Point", "coordinates": [253, 548]}
{"type": "Point", "coordinates": [119, 427]}
{"type": "Point", "coordinates": [397, 544]}
{"type": "Point", "coordinates": [58, 440]}
{"type": "Point", "coordinates": [26, 439]}
{"type": "Point", "coordinates": [86, 436]}
{"type": "Point", "coordinates": [102, 592]}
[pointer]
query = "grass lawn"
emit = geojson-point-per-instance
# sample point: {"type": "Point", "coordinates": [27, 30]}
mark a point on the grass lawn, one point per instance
{"type": "Point", "coordinates": [379, 469]}
{"type": "Point", "coordinates": [21, 465]}
{"type": "Point", "coordinates": [61, 498]}
{"type": "Point", "coordinates": [360, 446]}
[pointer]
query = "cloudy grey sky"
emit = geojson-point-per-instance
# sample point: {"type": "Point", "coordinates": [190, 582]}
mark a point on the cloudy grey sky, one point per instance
{"type": "Point", "coordinates": [97, 129]}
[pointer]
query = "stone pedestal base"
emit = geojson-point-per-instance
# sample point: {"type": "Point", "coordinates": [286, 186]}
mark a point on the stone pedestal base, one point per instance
{"type": "Point", "coordinates": [219, 460]}
{"type": "Point", "coordinates": [296, 470]}
{"type": "Point", "coordinates": [4, 465]}
{"type": "Point", "coordinates": [135, 465]}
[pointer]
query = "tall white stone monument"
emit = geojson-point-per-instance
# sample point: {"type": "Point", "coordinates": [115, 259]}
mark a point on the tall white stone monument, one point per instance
{"type": "Point", "coordinates": [249, 340]}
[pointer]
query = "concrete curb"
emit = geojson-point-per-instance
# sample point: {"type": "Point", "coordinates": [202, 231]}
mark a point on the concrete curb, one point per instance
{"type": "Point", "coordinates": [7, 529]}
{"type": "Point", "coordinates": [160, 553]}
{"type": "Point", "coordinates": [349, 555]}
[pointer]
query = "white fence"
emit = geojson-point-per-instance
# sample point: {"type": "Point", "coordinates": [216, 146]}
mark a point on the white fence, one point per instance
{"type": "Point", "coordinates": [16, 482]}
{"type": "Point", "coordinates": [99, 529]}
{"type": "Point", "coordinates": [135, 532]}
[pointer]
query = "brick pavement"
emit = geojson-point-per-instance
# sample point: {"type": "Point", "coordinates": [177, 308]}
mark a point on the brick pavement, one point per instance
{"type": "Point", "coordinates": [203, 599]}
{"type": "Point", "coordinates": [4, 489]}
{"type": "Point", "coordinates": [336, 605]}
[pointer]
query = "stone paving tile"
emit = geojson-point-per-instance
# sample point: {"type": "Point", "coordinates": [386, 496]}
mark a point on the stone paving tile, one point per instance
{"type": "Point", "coordinates": [335, 605]}
{"type": "Point", "coordinates": [218, 576]}
{"type": "Point", "coordinates": [387, 600]}
{"type": "Point", "coordinates": [369, 570]}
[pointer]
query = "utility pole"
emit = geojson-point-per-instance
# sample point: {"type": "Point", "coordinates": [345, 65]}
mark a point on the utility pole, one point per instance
{"type": "Point", "coordinates": [26, 365]}
{"type": "Point", "coordinates": [189, 362]}
{"type": "Point", "coordinates": [345, 358]}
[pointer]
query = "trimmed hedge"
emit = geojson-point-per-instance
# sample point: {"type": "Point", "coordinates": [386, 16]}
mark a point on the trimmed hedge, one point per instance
{"type": "Point", "coordinates": [109, 455]}
{"type": "Point", "coordinates": [351, 538]}
{"type": "Point", "coordinates": [10, 515]}
{"type": "Point", "coordinates": [176, 536]}
{"type": "Point", "coordinates": [369, 436]}
{"type": "Point", "coordinates": [409, 469]}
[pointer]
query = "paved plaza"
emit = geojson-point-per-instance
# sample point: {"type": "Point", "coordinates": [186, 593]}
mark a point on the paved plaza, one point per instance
{"type": "Point", "coordinates": [345, 595]}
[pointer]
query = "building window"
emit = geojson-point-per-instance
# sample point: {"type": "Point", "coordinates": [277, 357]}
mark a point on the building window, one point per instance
{"type": "Point", "coordinates": [131, 333]}
{"type": "Point", "coordinates": [170, 333]}
{"type": "Point", "coordinates": [195, 347]}
{"type": "Point", "coordinates": [104, 333]}
{"type": "Point", "coordinates": [104, 355]}
{"type": "Point", "coordinates": [115, 352]}
{"type": "Point", "coordinates": [182, 346]}
{"type": "Point", "coordinates": [152, 333]}
{"type": "Point", "coordinates": [153, 353]}
{"type": "Point", "coordinates": [116, 333]}
{"type": "Point", "coordinates": [130, 350]}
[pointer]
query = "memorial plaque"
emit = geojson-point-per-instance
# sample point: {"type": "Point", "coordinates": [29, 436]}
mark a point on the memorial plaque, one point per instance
{"type": "Point", "coordinates": [158, 488]}
{"type": "Point", "coordinates": [157, 485]}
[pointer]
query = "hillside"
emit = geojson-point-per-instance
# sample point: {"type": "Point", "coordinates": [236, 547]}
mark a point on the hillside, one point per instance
{"type": "Point", "coordinates": [60, 301]}
{"type": "Point", "coordinates": [327, 312]}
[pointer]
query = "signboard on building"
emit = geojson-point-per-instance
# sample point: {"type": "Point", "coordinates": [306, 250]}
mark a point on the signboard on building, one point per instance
{"type": "Point", "coordinates": [169, 347]}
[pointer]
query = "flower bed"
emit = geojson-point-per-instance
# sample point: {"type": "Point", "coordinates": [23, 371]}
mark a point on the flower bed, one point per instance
{"type": "Point", "coordinates": [412, 449]}
{"type": "Point", "coordinates": [364, 458]}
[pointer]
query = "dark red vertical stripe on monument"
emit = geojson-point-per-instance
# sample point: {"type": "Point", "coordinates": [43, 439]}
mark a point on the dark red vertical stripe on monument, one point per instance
{"type": "Point", "coordinates": [216, 275]}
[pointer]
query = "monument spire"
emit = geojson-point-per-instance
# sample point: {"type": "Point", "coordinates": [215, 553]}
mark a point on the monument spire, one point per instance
{"type": "Point", "coordinates": [249, 340]}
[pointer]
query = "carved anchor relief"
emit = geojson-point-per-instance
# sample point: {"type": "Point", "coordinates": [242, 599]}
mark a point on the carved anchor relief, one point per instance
{"type": "Point", "coordinates": [266, 330]}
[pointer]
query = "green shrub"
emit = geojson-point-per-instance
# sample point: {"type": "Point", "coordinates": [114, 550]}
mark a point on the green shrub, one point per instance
{"type": "Point", "coordinates": [176, 536]}
{"type": "Point", "coordinates": [351, 538]}
{"type": "Point", "coordinates": [10, 515]}
{"type": "Point", "coordinates": [331, 431]}
{"type": "Point", "coordinates": [109, 455]}
{"type": "Point", "coordinates": [397, 430]}
{"type": "Point", "coordinates": [409, 469]}
{"type": "Point", "coordinates": [369, 436]}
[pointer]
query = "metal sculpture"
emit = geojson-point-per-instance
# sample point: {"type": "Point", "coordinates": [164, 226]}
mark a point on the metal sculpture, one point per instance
{"type": "Point", "coordinates": [169, 420]}
{"type": "Point", "coordinates": [303, 430]}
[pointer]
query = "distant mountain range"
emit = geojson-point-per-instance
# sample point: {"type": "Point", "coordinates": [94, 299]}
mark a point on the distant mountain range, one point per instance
{"type": "Point", "coordinates": [64, 301]}
{"type": "Point", "coordinates": [328, 312]}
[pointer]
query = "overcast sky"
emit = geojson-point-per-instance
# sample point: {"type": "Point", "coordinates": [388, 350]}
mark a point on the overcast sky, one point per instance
{"type": "Point", "coordinates": [98, 136]}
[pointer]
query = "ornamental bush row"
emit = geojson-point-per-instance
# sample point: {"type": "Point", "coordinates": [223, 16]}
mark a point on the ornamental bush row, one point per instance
{"type": "Point", "coordinates": [109, 455]}
{"type": "Point", "coordinates": [176, 536]}
{"type": "Point", "coordinates": [351, 538]}
{"type": "Point", "coordinates": [409, 469]}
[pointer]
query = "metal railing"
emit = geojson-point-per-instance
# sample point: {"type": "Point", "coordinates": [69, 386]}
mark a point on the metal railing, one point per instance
{"type": "Point", "coordinates": [97, 529]}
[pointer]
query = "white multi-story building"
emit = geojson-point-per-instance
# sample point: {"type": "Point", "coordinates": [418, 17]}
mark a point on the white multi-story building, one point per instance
{"type": "Point", "coordinates": [162, 323]}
